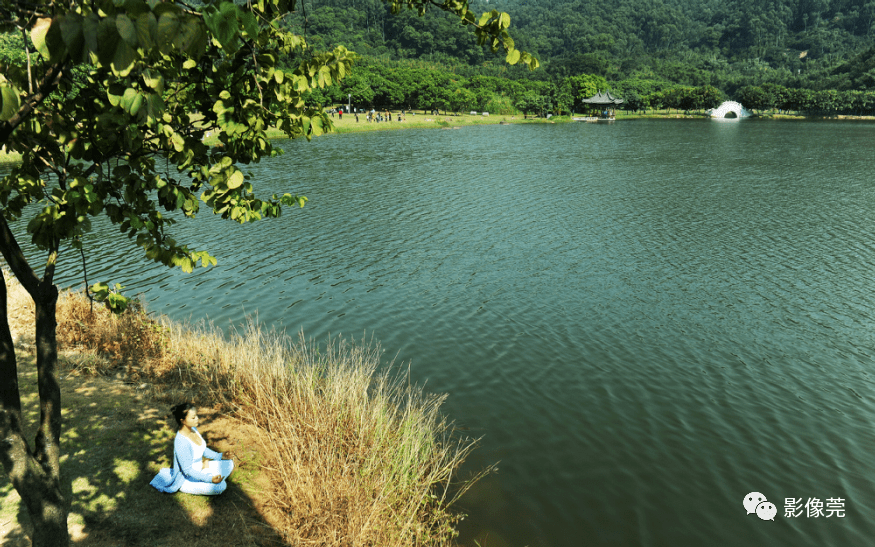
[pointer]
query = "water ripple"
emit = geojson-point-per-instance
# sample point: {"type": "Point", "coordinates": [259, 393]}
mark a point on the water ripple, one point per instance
{"type": "Point", "coordinates": [647, 320]}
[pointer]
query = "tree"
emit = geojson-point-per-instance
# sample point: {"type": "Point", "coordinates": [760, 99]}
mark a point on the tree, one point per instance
{"type": "Point", "coordinates": [754, 97]}
{"type": "Point", "coordinates": [633, 102]}
{"type": "Point", "coordinates": [105, 94]}
{"type": "Point", "coordinates": [708, 97]}
{"type": "Point", "coordinates": [533, 101]}
{"type": "Point", "coordinates": [462, 99]}
{"type": "Point", "coordinates": [357, 88]}
{"type": "Point", "coordinates": [583, 86]}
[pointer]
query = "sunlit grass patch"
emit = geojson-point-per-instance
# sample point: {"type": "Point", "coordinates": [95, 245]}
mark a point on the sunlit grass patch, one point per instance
{"type": "Point", "coordinates": [10, 159]}
{"type": "Point", "coordinates": [126, 470]}
{"type": "Point", "coordinates": [351, 452]}
{"type": "Point", "coordinates": [357, 452]}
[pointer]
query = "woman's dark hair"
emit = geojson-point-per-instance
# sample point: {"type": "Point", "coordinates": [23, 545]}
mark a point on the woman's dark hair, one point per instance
{"type": "Point", "coordinates": [180, 411]}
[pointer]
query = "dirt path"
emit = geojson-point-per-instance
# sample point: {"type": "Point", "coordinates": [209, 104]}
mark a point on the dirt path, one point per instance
{"type": "Point", "coordinates": [115, 437]}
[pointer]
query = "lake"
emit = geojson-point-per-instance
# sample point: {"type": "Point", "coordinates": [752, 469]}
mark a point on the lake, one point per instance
{"type": "Point", "coordinates": [645, 321]}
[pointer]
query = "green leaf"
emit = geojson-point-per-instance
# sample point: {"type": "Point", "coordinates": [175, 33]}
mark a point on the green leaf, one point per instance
{"type": "Point", "coordinates": [235, 180]}
{"type": "Point", "coordinates": [168, 26]}
{"type": "Point", "coordinates": [135, 7]}
{"type": "Point", "coordinates": [249, 22]}
{"type": "Point", "coordinates": [154, 107]}
{"type": "Point", "coordinates": [114, 93]}
{"type": "Point", "coordinates": [513, 56]}
{"type": "Point", "coordinates": [153, 79]}
{"type": "Point", "coordinates": [121, 171]}
{"type": "Point", "coordinates": [100, 291]}
{"type": "Point", "coordinates": [71, 33]}
{"type": "Point", "coordinates": [38, 35]}
{"type": "Point", "coordinates": [124, 59]}
{"type": "Point", "coordinates": [126, 29]}
{"type": "Point", "coordinates": [190, 39]}
{"type": "Point", "coordinates": [223, 24]}
{"type": "Point", "coordinates": [55, 41]}
{"type": "Point", "coordinates": [189, 64]}
{"type": "Point", "coordinates": [107, 41]}
{"type": "Point", "coordinates": [11, 102]}
{"type": "Point", "coordinates": [131, 101]}
{"type": "Point", "coordinates": [147, 28]}
{"type": "Point", "coordinates": [90, 26]}
{"type": "Point", "coordinates": [178, 142]}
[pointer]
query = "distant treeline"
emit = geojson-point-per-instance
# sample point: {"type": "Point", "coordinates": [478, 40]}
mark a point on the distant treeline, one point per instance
{"type": "Point", "coordinates": [408, 85]}
{"type": "Point", "coordinates": [825, 102]}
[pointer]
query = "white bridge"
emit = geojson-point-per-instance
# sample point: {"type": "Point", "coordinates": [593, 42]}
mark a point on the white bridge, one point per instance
{"type": "Point", "coordinates": [730, 109]}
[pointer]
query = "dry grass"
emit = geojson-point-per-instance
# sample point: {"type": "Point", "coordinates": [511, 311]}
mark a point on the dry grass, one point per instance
{"type": "Point", "coordinates": [356, 457]}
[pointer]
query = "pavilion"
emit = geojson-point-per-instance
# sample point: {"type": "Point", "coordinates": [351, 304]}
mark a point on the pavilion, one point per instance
{"type": "Point", "coordinates": [603, 102]}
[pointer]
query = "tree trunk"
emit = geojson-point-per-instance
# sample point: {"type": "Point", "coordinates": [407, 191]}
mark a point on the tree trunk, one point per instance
{"type": "Point", "coordinates": [35, 476]}
{"type": "Point", "coordinates": [47, 447]}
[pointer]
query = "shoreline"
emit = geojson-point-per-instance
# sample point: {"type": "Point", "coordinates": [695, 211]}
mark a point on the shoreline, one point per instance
{"type": "Point", "coordinates": [771, 115]}
{"type": "Point", "coordinates": [327, 444]}
{"type": "Point", "coordinates": [348, 125]}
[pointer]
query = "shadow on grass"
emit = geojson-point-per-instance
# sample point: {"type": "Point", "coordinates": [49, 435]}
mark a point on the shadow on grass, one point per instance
{"type": "Point", "coordinates": [115, 438]}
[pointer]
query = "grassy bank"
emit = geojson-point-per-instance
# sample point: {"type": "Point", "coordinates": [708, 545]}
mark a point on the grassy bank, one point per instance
{"type": "Point", "coordinates": [9, 158]}
{"type": "Point", "coordinates": [333, 452]}
{"type": "Point", "coordinates": [347, 124]}
{"type": "Point", "coordinates": [421, 121]}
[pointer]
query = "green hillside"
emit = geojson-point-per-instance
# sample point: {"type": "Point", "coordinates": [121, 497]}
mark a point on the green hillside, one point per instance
{"type": "Point", "coordinates": [726, 44]}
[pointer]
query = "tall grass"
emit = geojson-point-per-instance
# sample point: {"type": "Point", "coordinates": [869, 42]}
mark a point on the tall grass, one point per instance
{"type": "Point", "coordinates": [9, 158]}
{"type": "Point", "coordinates": [356, 455]}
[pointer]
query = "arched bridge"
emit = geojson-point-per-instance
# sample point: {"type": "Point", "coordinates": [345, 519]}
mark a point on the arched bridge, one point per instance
{"type": "Point", "coordinates": [730, 109]}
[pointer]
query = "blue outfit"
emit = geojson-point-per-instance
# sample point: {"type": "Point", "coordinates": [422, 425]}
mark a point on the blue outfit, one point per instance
{"type": "Point", "coordinates": [187, 474]}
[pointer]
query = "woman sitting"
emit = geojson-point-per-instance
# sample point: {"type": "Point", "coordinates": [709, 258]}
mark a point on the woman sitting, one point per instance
{"type": "Point", "coordinates": [190, 473]}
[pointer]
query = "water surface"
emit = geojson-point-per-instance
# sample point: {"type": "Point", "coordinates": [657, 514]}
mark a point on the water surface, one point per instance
{"type": "Point", "coordinates": [645, 320]}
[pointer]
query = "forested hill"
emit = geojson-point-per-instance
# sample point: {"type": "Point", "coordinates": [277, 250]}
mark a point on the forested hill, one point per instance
{"type": "Point", "coordinates": [726, 43]}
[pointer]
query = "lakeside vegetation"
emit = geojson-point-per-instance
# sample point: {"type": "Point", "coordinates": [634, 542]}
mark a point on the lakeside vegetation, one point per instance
{"type": "Point", "coordinates": [351, 454]}
{"type": "Point", "coordinates": [812, 58]}
{"type": "Point", "coordinates": [406, 85]}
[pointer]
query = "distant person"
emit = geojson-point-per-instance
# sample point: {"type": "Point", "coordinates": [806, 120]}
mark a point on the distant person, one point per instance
{"type": "Point", "coordinates": [356, 117]}
{"type": "Point", "coordinates": [340, 114]}
{"type": "Point", "coordinates": [190, 474]}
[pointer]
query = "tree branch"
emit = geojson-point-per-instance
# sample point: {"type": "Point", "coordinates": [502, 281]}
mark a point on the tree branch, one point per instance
{"type": "Point", "coordinates": [27, 52]}
{"type": "Point", "coordinates": [16, 260]}
{"type": "Point", "coordinates": [46, 86]}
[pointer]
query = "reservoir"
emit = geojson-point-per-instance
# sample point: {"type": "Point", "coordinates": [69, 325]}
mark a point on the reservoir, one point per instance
{"type": "Point", "coordinates": [645, 321]}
